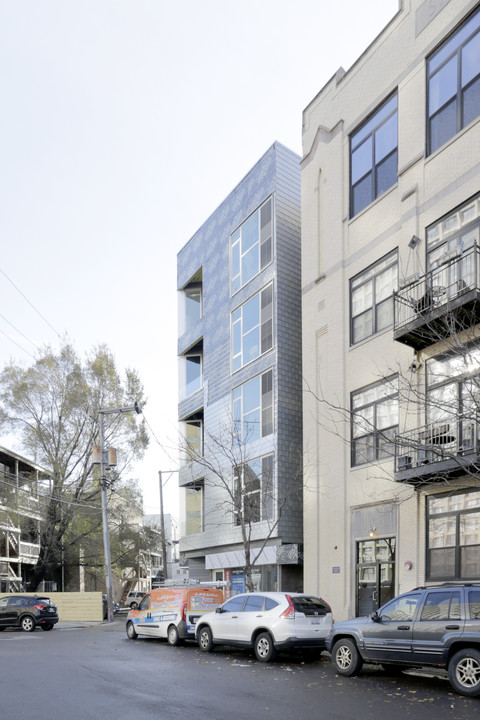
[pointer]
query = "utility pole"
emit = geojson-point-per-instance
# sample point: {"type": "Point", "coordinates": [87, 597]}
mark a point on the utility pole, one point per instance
{"type": "Point", "coordinates": [162, 522]}
{"type": "Point", "coordinates": [103, 484]}
{"type": "Point", "coordinates": [162, 528]}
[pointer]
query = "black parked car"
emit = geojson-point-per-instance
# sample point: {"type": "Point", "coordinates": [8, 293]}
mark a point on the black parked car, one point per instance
{"type": "Point", "coordinates": [438, 625]}
{"type": "Point", "coordinates": [27, 612]}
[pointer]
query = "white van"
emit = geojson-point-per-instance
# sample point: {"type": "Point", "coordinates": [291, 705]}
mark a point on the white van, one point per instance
{"type": "Point", "coordinates": [133, 598]}
{"type": "Point", "coordinates": [172, 612]}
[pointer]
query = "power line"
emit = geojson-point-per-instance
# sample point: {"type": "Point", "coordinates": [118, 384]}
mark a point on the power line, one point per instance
{"type": "Point", "coordinates": [16, 343]}
{"type": "Point", "coordinates": [30, 303]}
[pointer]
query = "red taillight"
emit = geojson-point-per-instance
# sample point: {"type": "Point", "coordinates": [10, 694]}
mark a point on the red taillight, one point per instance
{"type": "Point", "coordinates": [184, 610]}
{"type": "Point", "coordinates": [328, 609]}
{"type": "Point", "coordinates": [40, 607]}
{"type": "Point", "coordinates": [289, 613]}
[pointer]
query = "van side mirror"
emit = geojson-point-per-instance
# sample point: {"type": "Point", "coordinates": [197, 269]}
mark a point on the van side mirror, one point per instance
{"type": "Point", "coordinates": [376, 617]}
{"type": "Point", "coordinates": [219, 609]}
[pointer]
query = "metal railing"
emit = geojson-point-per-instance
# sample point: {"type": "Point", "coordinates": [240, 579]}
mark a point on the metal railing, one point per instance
{"type": "Point", "coordinates": [454, 278]}
{"type": "Point", "coordinates": [29, 550]}
{"type": "Point", "coordinates": [436, 442]}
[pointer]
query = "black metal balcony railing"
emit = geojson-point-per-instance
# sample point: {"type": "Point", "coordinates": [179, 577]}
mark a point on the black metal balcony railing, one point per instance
{"type": "Point", "coordinates": [444, 449]}
{"type": "Point", "coordinates": [424, 308]}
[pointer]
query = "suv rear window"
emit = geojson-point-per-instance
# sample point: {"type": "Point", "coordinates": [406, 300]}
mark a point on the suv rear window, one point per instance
{"type": "Point", "coordinates": [474, 604]}
{"type": "Point", "coordinates": [310, 605]}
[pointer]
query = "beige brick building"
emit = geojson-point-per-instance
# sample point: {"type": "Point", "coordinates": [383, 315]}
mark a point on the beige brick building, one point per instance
{"type": "Point", "coordinates": [390, 283]}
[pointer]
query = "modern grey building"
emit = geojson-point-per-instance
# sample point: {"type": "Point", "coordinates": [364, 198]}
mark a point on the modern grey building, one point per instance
{"type": "Point", "coordinates": [240, 407]}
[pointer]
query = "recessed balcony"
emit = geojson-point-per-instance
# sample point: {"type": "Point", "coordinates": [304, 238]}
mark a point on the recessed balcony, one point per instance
{"type": "Point", "coordinates": [437, 452]}
{"type": "Point", "coordinates": [428, 309]}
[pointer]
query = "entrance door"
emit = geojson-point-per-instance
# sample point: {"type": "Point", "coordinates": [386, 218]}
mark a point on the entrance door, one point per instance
{"type": "Point", "coordinates": [375, 574]}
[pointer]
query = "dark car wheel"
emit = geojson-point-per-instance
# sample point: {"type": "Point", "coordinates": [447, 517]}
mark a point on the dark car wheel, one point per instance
{"type": "Point", "coordinates": [27, 623]}
{"type": "Point", "coordinates": [264, 647]}
{"type": "Point", "coordinates": [464, 672]}
{"type": "Point", "coordinates": [346, 658]}
{"type": "Point", "coordinates": [131, 632]}
{"type": "Point", "coordinates": [47, 626]}
{"type": "Point", "coordinates": [173, 637]}
{"type": "Point", "coordinates": [205, 640]}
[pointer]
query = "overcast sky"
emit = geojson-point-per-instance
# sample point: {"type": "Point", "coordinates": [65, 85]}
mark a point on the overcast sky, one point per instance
{"type": "Point", "coordinates": [124, 124]}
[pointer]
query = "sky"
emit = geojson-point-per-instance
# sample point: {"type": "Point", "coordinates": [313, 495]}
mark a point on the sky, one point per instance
{"type": "Point", "coordinates": [124, 124]}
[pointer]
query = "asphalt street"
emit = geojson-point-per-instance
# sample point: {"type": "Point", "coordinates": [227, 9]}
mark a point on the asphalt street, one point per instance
{"type": "Point", "coordinates": [94, 672]}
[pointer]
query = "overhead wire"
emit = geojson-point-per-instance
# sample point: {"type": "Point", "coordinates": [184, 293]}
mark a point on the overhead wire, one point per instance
{"type": "Point", "coordinates": [30, 303]}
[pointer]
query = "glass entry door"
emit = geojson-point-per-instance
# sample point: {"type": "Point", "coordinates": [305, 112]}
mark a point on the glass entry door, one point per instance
{"type": "Point", "coordinates": [375, 574]}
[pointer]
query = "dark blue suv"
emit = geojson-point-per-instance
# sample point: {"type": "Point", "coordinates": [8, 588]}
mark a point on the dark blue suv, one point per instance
{"type": "Point", "coordinates": [436, 625]}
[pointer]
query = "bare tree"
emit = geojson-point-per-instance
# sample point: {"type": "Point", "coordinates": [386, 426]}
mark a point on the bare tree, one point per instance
{"type": "Point", "coordinates": [244, 491]}
{"type": "Point", "coordinates": [431, 408]}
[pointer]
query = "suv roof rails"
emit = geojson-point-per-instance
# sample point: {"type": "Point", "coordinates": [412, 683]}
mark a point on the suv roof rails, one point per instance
{"type": "Point", "coordinates": [452, 583]}
{"type": "Point", "coordinates": [191, 583]}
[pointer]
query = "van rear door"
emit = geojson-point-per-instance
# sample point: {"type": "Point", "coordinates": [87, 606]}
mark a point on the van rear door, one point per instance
{"type": "Point", "coordinates": [200, 601]}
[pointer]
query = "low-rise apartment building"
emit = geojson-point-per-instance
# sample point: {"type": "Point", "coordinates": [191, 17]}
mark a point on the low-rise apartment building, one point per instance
{"type": "Point", "coordinates": [391, 283]}
{"type": "Point", "coordinates": [21, 510]}
{"type": "Point", "coordinates": [240, 383]}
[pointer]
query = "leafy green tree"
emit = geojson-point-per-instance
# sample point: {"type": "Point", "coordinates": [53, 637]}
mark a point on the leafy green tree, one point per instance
{"type": "Point", "coordinates": [52, 407]}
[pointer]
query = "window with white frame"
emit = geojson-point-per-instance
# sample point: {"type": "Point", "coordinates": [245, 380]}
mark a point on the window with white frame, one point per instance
{"type": "Point", "coordinates": [253, 408]}
{"type": "Point", "coordinates": [252, 328]}
{"type": "Point", "coordinates": [453, 536]}
{"type": "Point", "coordinates": [371, 298]}
{"type": "Point", "coordinates": [374, 156]}
{"type": "Point", "coordinates": [374, 421]}
{"type": "Point", "coordinates": [453, 83]}
{"type": "Point", "coordinates": [254, 490]}
{"type": "Point", "coordinates": [252, 246]}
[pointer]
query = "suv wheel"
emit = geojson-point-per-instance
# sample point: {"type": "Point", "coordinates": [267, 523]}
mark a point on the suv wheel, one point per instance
{"type": "Point", "coordinates": [264, 647]}
{"type": "Point", "coordinates": [27, 623]}
{"type": "Point", "coordinates": [346, 658]}
{"type": "Point", "coordinates": [205, 639]}
{"type": "Point", "coordinates": [47, 626]}
{"type": "Point", "coordinates": [464, 672]}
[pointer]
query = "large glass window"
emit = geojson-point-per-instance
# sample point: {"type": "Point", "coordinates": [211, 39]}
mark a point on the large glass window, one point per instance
{"type": "Point", "coordinates": [253, 408]}
{"type": "Point", "coordinates": [193, 305]}
{"type": "Point", "coordinates": [194, 508]}
{"type": "Point", "coordinates": [373, 156]}
{"type": "Point", "coordinates": [371, 294]}
{"type": "Point", "coordinates": [252, 246]}
{"type": "Point", "coordinates": [193, 438]}
{"type": "Point", "coordinates": [453, 536]}
{"type": "Point", "coordinates": [453, 393]}
{"type": "Point", "coordinates": [252, 328]}
{"type": "Point", "coordinates": [374, 421]}
{"type": "Point", "coordinates": [453, 77]}
{"type": "Point", "coordinates": [193, 373]}
{"type": "Point", "coordinates": [254, 490]}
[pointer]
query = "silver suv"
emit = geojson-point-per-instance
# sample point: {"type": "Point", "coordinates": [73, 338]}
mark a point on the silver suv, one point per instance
{"type": "Point", "coordinates": [435, 625]}
{"type": "Point", "coordinates": [267, 622]}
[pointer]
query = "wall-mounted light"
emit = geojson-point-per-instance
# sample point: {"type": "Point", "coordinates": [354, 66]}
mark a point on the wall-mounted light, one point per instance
{"type": "Point", "coordinates": [415, 366]}
{"type": "Point", "coordinates": [414, 242]}
{"type": "Point", "coordinates": [373, 532]}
